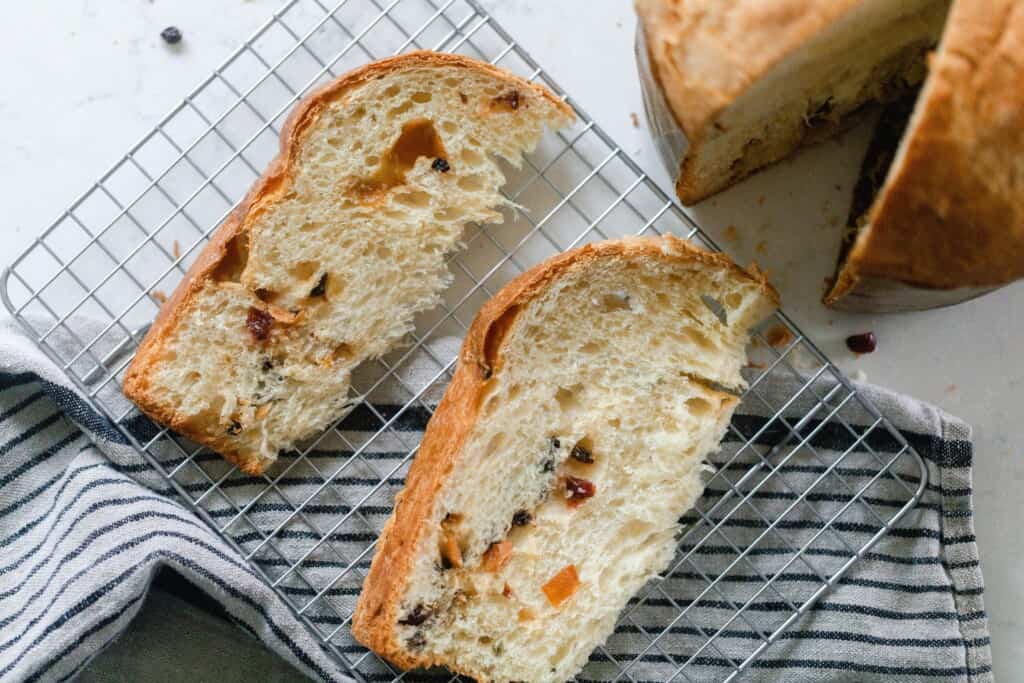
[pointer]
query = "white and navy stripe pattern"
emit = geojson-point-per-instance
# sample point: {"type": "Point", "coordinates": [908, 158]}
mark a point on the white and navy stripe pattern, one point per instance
{"type": "Point", "coordinates": [84, 530]}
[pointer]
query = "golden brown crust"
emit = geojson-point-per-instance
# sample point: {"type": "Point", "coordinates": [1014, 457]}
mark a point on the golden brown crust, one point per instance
{"type": "Point", "coordinates": [376, 614]}
{"type": "Point", "coordinates": [951, 213]}
{"type": "Point", "coordinates": [706, 55]}
{"type": "Point", "coordinates": [269, 188]}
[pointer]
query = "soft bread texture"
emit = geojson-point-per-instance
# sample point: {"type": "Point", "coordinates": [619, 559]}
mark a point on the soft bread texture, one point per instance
{"type": "Point", "coordinates": [948, 224]}
{"type": "Point", "coordinates": [608, 354]}
{"type": "Point", "coordinates": [334, 250]}
{"type": "Point", "coordinates": [750, 81]}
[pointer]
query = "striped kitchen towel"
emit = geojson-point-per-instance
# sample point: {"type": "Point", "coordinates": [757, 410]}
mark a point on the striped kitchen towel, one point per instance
{"type": "Point", "coordinates": [85, 524]}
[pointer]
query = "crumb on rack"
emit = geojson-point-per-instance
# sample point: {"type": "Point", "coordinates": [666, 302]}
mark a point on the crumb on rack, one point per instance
{"type": "Point", "coordinates": [951, 388]}
{"type": "Point", "coordinates": [731, 233]}
{"type": "Point", "coordinates": [176, 250]}
{"type": "Point", "coordinates": [762, 248]}
{"type": "Point", "coordinates": [760, 200]}
{"type": "Point", "coordinates": [778, 336]}
{"type": "Point", "coordinates": [635, 119]}
{"type": "Point", "coordinates": [159, 296]}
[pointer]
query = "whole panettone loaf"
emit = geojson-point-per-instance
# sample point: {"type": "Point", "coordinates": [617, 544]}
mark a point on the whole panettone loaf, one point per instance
{"type": "Point", "coordinates": [550, 481]}
{"type": "Point", "coordinates": [335, 250]}
{"type": "Point", "coordinates": [947, 222]}
{"type": "Point", "coordinates": [937, 216]}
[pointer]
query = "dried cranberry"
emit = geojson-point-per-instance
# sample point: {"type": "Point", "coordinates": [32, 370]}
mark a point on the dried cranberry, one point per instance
{"type": "Point", "coordinates": [259, 322]}
{"type": "Point", "coordinates": [171, 35]}
{"type": "Point", "coordinates": [581, 454]}
{"type": "Point", "coordinates": [521, 518]}
{"type": "Point", "coordinates": [578, 490]}
{"type": "Point", "coordinates": [862, 343]}
{"type": "Point", "coordinates": [440, 165]}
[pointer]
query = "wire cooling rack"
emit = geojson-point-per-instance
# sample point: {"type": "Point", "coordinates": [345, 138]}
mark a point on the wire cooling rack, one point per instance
{"type": "Point", "coordinates": [810, 475]}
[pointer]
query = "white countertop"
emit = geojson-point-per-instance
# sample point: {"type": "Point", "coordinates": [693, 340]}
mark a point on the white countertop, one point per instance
{"type": "Point", "coordinates": [83, 80]}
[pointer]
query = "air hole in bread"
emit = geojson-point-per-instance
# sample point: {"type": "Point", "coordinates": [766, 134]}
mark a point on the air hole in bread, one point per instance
{"type": "Point", "coordinates": [733, 301]}
{"type": "Point", "coordinates": [591, 347]}
{"type": "Point", "coordinates": [357, 113]}
{"type": "Point", "coordinates": [450, 546]}
{"type": "Point", "coordinates": [417, 139]}
{"type": "Point", "coordinates": [471, 183]}
{"type": "Point", "coordinates": [414, 200]}
{"type": "Point", "coordinates": [392, 90]}
{"type": "Point", "coordinates": [232, 264]}
{"type": "Point", "coordinates": [496, 442]}
{"type": "Point", "coordinates": [343, 352]}
{"type": "Point", "coordinates": [395, 112]}
{"type": "Point", "coordinates": [371, 160]}
{"type": "Point", "coordinates": [698, 338]}
{"type": "Point", "coordinates": [471, 157]}
{"type": "Point", "coordinates": [449, 127]}
{"type": "Point", "coordinates": [496, 335]}
{"type": "Point", "coordinates": [266, 295]}
{"type": "Point", "coordinates": [422, 97]}
{"type": "Point", "coordinates": [489, 405]}
{"type": "Point", "coordinates": [716, 307]}
{"type": "Point", "coordinates": [615, 301]}
{"type": "Point", "coordinates": [451, 213]}
{"type": "Point", "coordinates": [698, 407]}
{"type": "Point", "coordinates": [304, 270]}
{"type": "Point", "coordinates": [567, 399]}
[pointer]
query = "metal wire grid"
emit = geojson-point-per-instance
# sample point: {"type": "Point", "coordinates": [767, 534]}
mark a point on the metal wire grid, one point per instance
{"type": "Point", "coordinates": [807, 482]}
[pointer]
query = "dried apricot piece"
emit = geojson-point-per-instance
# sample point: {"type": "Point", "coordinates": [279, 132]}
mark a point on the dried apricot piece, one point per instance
{"type": "Point", "coordinates": [562, 585]}
{"type": "Point", "coordinates": [496, 556]}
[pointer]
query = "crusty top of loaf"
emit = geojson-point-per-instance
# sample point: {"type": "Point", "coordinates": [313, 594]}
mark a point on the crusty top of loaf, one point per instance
{"type": "Point", "coordinates": [951, 213]}
{"type": "Point", "coordinates": [270, 188]}
{"type": "Point", "coordinates": [452, 422]}
{"type": "Point", "coordinates": [706, 54]}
